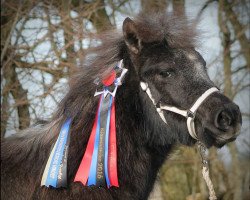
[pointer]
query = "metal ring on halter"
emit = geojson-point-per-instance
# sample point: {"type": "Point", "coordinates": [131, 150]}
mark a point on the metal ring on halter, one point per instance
{"type": "Point", "coordinates": [190, 114]}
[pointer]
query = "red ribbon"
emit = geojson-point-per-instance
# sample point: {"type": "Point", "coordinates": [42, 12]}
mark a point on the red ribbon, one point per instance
{"type": "Point", "coordinates": [112, 155]}
{"type": "Point", "coordinates": [84, 168]}
{"type": "Point", "coordinates": [110, 79]}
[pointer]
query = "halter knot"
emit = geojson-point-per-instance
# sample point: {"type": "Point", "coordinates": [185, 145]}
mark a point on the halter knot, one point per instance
{"type": "Point", "coordinates": [190, 114]}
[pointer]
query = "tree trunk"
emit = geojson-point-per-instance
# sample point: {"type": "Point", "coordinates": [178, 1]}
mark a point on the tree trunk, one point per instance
{"type": "Point", "coordinates": [19, 94]}
{"type": "Point", "coordinates": [236, 185]}
{"type": "Point", "coordinates": [239, 31]}
{"type": "Point", "coordinates": [4, 111]}
{"type": "Point", "coordinates": [12, 84]}
{"type": "Point", "coordinates": [100, 18]}
{"type": "Point", "coordinates": [149, 6]}
{"type": "Point", "coordinates": [68, 30]}
{"type": "Point", "coordinates": [179, 7]}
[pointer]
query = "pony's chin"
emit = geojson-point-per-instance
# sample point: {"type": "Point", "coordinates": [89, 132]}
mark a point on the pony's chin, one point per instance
{"type": "Point", "coordinates": [212, 137]}
{"type": "Point", "coordinates": [219, 143]}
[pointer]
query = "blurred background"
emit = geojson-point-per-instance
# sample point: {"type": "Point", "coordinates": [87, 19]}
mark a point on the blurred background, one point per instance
{"type": "Point", "coordinates": [43, 42]}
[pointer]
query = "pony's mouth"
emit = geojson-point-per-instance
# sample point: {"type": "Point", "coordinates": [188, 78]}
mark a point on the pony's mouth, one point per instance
{"type": "Point", "coordinates": [212, 136]}
{"type": "Point", "coordinates": [219, 125]}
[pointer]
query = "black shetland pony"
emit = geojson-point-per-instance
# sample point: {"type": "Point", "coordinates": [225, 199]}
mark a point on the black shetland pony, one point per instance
{"type": "Point", "coordinates": [159, 50]}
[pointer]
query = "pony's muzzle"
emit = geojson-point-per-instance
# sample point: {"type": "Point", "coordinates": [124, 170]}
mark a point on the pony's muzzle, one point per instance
{"type": "Point", "coordinates": [228, 120]}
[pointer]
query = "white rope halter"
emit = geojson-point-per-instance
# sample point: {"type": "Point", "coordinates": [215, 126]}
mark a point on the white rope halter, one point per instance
{"type": "Point", "coordinates": [189, 114]}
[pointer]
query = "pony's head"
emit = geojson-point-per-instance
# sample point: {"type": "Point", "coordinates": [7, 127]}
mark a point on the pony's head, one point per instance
{"type": "Point", "coordinates": [175, 88]}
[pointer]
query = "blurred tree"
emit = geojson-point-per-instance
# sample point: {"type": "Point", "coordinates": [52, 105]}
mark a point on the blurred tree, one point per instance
{"type": "Point", "coordinates": [154, 5]}
{"type": "Point", "coordinates": [21, 56]}
{"type": "Point", "coordinates": [179, 7]}
{"type": "Point", "coordinates": [9, 18]}
{"type": "Point", "coordinates": [225, 18]}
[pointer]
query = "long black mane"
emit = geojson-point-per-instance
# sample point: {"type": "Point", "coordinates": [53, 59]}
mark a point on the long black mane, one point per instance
{"type": "Point", "coordinates": [24, 155]}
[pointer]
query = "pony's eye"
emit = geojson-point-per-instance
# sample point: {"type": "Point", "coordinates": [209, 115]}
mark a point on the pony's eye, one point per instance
{"type": "Point", "coordinates": [166, 74]}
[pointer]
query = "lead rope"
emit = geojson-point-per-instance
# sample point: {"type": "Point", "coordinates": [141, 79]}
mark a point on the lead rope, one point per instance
{"type": "Point", "coordinates": [205, 171]}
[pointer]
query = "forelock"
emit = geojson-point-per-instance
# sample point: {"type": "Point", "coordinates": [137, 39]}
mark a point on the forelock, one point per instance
{"type": "Point", "coordinates": [177, 30]}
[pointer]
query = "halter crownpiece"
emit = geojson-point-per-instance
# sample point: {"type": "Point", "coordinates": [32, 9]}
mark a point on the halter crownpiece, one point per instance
{"type": "Point", "coordinates": [189, 114]}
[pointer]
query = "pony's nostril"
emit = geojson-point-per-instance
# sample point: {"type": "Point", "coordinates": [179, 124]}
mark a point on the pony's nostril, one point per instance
{"type": "Point", "coordinates": [223, 120]}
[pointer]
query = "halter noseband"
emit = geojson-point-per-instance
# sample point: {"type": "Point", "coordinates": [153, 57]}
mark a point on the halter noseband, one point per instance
{"type": "Point", "coordinates": [189, 114]}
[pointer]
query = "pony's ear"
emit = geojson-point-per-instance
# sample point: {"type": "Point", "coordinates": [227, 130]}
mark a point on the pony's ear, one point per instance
{"type": "Point", "coordinates": [131, 35]}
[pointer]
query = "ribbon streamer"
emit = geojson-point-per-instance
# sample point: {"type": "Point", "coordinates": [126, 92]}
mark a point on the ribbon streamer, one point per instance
{"type": "Point", "coordinates": [55, 173]}
{"type": "Point", "coordinates": [92, 173]}
{"type": "Point", "coordinates": [103, 148]}
{"type": "Point", "coordinates": [112, 153]}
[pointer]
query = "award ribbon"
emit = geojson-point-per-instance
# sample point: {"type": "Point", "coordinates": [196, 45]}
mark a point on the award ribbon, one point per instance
{"type": "Point", "coordinates": [55, 173]}
{"type": "Point", "coordinates": [99, 164]}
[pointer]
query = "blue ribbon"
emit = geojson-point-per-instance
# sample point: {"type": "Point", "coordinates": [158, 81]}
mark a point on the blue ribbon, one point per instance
{"type": "Point", "coordinates": [52, 176]}
{"type": "Point", "coordinates": [92, 174]}
{"type": "Point", "coordinates": [107, 142]}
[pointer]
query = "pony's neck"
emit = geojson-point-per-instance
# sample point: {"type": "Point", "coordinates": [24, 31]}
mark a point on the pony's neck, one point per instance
{"type": "Point", "coordinates": [138, 162]}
